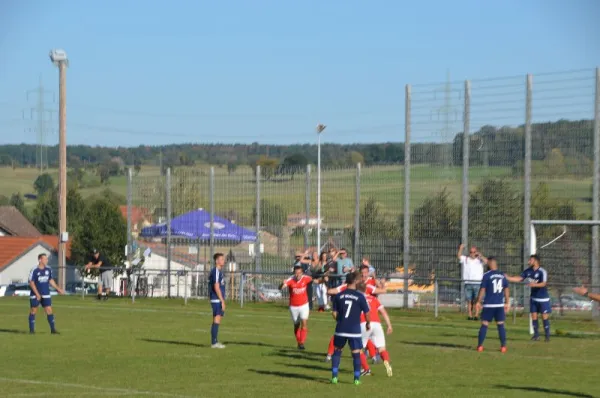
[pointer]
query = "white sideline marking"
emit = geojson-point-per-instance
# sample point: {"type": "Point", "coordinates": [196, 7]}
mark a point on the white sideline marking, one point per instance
{"type": "Point", "coordinates": [89, 387]}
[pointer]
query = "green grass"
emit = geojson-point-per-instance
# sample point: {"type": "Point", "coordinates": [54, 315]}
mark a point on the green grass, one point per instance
{"type": "Point", "coordinates": [161, 348]}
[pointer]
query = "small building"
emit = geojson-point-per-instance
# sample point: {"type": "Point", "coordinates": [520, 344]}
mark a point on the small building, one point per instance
{"type": "Point", "coordinates": [13, 223]}
{"type": "Point", "coordinates": [18, 255]}
{"type": "Point", "coordinates": [299, 220]}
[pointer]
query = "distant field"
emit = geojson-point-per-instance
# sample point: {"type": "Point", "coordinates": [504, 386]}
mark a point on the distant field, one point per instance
{"type": "Point", "coordinates": [237, 192]}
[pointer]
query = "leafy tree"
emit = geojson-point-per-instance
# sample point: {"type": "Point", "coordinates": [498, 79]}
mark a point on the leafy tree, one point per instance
{"type": "Point", "coordinates": [17, 201]}
{"type": "Point", "coordinates": [293, 164]}
{"type": "Point", "coordinates": [104, 173]}
{"type": "Point", "coordinates": [268, 166]}
{"type": "Point", "coordinates": [45, 213]}
{"type": "Point", "coordinates": [43, 184]}
{"type": "Point", "coordinates": [231, 167]}
{"type": "Point", "coordinates": [271, 214]}
{"type": "Point", "coordinates": [437, 218]}
{"type": "Point", "coordinates": [110, 195]}
{"type": "Point", "coordinates": [137, 166]}
{"type": "Point", "coordinates": [105, 229]}
{"type": "Point", "coordinates": [355, 157]}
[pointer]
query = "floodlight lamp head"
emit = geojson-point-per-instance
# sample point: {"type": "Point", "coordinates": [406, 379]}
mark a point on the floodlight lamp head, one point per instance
{"type": "Point", "coordinates": [320, 128]}
{"type": "Point", "coordinates": [58, 56]}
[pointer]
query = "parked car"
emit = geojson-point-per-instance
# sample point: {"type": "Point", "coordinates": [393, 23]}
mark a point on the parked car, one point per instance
{"type": "Point", "coordinates": [23, 290]}
{"type": "Point", "coordinates": [575, 302]}
{"type": "Point", "coordinates": [75, 288]}
{"type": "Point", "coordinates": [269, 291]}
{"type": "Point", "coordinates": [3, 289]}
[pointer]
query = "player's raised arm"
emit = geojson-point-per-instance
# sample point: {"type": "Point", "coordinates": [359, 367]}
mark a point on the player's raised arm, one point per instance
{"type": "Point", "coordinates": [582, 291]}
{"type": "Point", "coordinates": [514, 278]}
{"type": "Point", "coordinates": [461, 247]}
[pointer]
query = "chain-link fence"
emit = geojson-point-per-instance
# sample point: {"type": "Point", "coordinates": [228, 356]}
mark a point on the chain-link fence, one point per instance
{"type": "Point", "coordinates": [480, 160]}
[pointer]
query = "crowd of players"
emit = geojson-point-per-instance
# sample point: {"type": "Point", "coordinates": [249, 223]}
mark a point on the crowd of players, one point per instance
{"type": "Point", "coordinates": [355, 306]}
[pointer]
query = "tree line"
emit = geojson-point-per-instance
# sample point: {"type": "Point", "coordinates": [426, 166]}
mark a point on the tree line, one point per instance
{"type": "Point", "coordinates": [490, 146]}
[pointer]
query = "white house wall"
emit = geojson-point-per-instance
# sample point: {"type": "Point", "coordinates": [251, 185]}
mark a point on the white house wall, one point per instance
{"type": "Point", "coordinates": [18, 272]}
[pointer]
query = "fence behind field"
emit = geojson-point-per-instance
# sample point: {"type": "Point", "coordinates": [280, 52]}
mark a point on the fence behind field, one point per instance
{"type": "Point", "coordinates": [477, 162]}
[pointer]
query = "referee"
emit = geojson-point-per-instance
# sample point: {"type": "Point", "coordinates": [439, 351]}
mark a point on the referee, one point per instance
{"type": "Point", "coordinates": [97, 260]}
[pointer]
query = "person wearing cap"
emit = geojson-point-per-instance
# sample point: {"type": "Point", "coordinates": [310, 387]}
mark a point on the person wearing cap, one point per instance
{"type": "Point", "coordinates": [100, 262]}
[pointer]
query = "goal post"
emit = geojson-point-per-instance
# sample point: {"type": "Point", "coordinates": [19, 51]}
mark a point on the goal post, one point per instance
{"type": "Point", "coordinates": [570, 251]}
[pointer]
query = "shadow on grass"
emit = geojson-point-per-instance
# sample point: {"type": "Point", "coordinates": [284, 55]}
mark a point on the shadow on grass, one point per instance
{"type": "Point", "coordinates": [440, 345]}
{"type": "Point", "coordinates": [300, 355]}
{"type": "Point", "coordinates": [320, 368]}
{"type": "Point", "coordinates": [545, 390]}
{"type": "Point", "coordinates": [175, 342]}
{"type": "Point", "coordinates": [251, 343]}
{"type": "Point", "coordinates": [13, 331]}
{"type": "Point", "coordinates": [287, 375]}
{"type": "Point", "coordinates": [302, 352]}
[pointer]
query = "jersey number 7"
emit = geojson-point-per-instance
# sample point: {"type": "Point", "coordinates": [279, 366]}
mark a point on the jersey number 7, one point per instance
{"type": "Point", "coordinates": [348, 308]}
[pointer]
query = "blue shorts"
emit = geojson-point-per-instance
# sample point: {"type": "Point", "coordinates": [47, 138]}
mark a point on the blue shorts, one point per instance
{"type": "Point", "coordinates": [355, 343]}
{"type": "Point", "coordinates": [45, 302]}
{"type": "Point", "coordinates": [471, 291]}
{"type": "Point", "coordinates": [493, 314]}
{"type": "Point", "coordinates": [217, 309]}
{"type": "Point", "coordinates": [540, 307]}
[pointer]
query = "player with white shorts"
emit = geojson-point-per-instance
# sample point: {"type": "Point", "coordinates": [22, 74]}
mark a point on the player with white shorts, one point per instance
{"type": "Point", "coordinates": [299, 308]}
{"type": "Point", "coordinates": [375, 333]}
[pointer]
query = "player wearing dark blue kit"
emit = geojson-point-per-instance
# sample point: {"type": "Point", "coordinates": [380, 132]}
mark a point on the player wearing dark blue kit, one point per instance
{"type": "Point", "coordinates": [536, 278]}
{"type": "Point", "coordinates": [216, 286]}
{"type": "Point", "coordinates": [347, 308]}
{"type": "Point", "coordinates": [494, 297]}
{"type": "Point", "coordinates": [40, 280]}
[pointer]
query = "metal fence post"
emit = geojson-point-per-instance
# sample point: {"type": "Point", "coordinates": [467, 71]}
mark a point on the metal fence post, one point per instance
{"type": "Point", "coordinates": [357, 249]}
{"type": "Point", "coordinates": [595, 282]}
{"type": "Point", "coordinates": [169, 215]}
{"type": "Point", "coordinates": [465, 175]}
{"type": "Point", "coordinates": [527, 182]}
{"type": "Point", "coordinates": [406, 237]}
{"type": "Point", "coordinates": [307, 207]}
{"type": "Point", "coordinates": [129, 216]}
{"type": "Point", "coordinates": [212, 214]}
{"type": "Point", "coordinates": [185, 290]}
{"type": "Point", "coordinates": [436, 296]}
{"type": "Point", "coordinates": [258, 219]}
{"type": "Point", "coordinates": [242, 282]}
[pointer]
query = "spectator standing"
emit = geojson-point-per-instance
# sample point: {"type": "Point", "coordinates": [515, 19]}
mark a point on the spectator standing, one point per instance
{"type": "Point", "coordinates": [472, 274]}
{"type": "Point", "coordinates": [97, 260]}
{"type": "Point", "coordinates": [344, 263]}
{"type": "Point", "coordinates": [320, 280]}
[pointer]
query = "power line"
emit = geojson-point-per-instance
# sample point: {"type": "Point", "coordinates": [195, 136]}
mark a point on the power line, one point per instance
{"type": "Point", "coordinates": [39, 115]}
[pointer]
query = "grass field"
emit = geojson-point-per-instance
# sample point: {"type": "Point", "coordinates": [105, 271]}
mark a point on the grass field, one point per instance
{"type": "Point", "coordinates": [161, 348]}
{"type": "Point", "coordinates": [385, 183]}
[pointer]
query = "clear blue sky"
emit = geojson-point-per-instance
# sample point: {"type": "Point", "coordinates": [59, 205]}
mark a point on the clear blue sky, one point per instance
{"type": "Point", "coordinates": [158, 72]}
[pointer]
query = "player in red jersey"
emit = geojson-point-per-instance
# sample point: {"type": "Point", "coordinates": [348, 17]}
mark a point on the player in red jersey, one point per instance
{"type": "Point", "coordinates": [299, 308]}
{"type": "Point", "coordinates": [370, 290]}
{"type": "Point", "coordinates": [375, 333]}
{"type": "Point", "coordinates": [373, 290]}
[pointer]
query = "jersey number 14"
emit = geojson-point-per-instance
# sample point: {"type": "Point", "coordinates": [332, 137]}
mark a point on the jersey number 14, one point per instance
{"type": "Point", "coordinates": [497, 283]}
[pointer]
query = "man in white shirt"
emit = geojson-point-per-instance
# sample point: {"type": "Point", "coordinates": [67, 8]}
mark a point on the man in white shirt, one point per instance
{"type": "Point", "coordinates": [472, 273]}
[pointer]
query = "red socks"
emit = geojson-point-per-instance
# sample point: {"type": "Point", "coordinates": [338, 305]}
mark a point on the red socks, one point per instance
{"type": "Point", "coordinates": [371, 348]}
{"type": "Point", "coordinates": [299, 336]}
{"type": "Point", "coordinates": [363, 361]}
{"type": "Point", "coordinates": [384, 355]}
{"type": "Point", "coordinates": [331, 347]}
{"type": "Point", "coordinates": [303, 334]}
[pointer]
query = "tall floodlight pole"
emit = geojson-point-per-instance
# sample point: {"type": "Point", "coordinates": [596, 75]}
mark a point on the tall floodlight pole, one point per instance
{"type": "Point", "coordinates": [320, 128]}
{"type": "Point", "coordinates": [59, 58]}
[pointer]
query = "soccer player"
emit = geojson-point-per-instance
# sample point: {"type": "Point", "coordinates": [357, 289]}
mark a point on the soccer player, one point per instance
{"type": "Point", "coordinates": [299, 308]}
{"type": "Point", "coordinates": [536, 278]}
{"type": "Point", "coordinates": [369, 290]}
{"type": "Point", "coordinates": [40, 280]}
{"type": "Point", "coordinates": [347, 309]}
{"type": "Point", "coordinates": [216, 286]}
{"type": "Point", "coordinates": [375, 335]}
{"type": "Point", "coordinates": [495, 297]}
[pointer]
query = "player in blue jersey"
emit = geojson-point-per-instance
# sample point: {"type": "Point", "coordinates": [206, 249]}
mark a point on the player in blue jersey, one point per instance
{"type": "Point", "coordinates": [216, 287]}
{"type": "Point", "coordinates": [536, 278]}
{"type": "Point", "coordinates": [347, 308]}
{"type": "Point", "coordinates": [40, 280]}
{"type": "Point", "coordinates": [494, 297]}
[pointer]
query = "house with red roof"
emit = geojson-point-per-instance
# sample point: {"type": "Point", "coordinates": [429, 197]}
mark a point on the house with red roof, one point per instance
{"type": "Point", "coordinates": [18, 255]}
